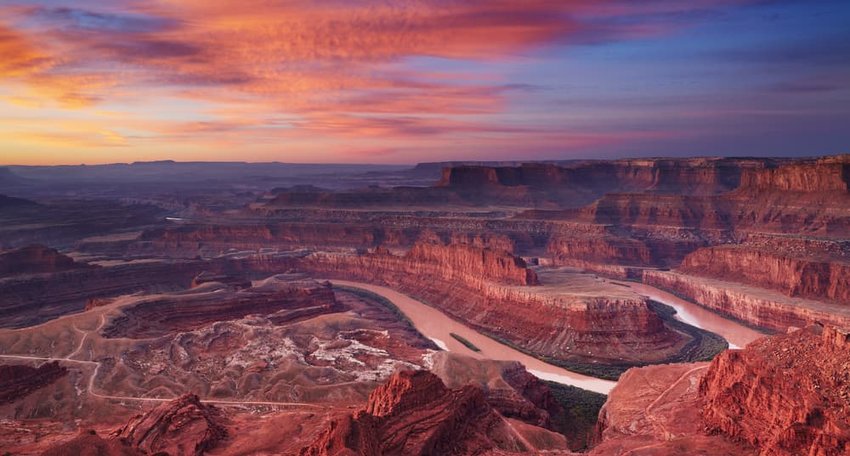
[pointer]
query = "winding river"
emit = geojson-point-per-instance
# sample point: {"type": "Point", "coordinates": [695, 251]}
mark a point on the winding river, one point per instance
{"type": "Point", "coordinates": [438, 327]}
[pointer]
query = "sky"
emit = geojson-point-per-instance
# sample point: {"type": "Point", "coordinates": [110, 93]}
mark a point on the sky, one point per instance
{"type": "Point", "coordinates": [406, 81]}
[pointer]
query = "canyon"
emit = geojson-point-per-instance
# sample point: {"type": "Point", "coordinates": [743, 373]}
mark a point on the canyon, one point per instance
{"type": "Point", "coordinates": [458, 308]}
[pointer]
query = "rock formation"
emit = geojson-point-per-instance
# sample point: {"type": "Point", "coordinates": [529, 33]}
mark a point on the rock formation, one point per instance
{"type": "Point", "coordinates": [804, 275]}
{"type": "Point", "coordinates": [35, 259]}
{"type": "Point", "coordinates": [785, 395]}
{"type": "Point", "coordinates": [831, 174]}
{"type": "Point", "coordinates": [181, 427]}
{"type": "Point", "coordinates": [757, 306]}
{"type": "Point", "coordinates": [88, 443]}
{"type": "Point", "coordinates": [415, 414]}
{"type": "Point", "coordinates": [454, 259]}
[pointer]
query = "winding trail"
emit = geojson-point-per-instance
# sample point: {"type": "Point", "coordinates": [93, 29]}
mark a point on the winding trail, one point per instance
{"type": "Point", "coordinates": [90, 387]}
{"type": "Point", "coordinates": [651, 418]}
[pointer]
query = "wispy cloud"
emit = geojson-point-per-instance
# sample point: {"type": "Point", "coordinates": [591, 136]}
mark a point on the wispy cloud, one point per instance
{"type": "Point", "coordinates": [338, 70]}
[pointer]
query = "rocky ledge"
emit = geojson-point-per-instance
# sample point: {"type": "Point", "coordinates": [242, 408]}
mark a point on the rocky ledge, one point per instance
{"type": "Point", "coordinates": [415, 414]}
{"type": "Point", "coordinates": [786, 395]}
{"type": "Point", "coordinates": [183, 426]}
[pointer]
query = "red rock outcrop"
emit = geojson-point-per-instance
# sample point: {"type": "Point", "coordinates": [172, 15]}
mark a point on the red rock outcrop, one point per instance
{"type": "Point", "coordinates": [498, 266]}
{"type": "Point", "coordinates": [35, 259]}
{"type": "Point", "coordinates": [786, 395]}
{"type": "Point", "coordinates": [17, 381]}
{"type": "Point", "coordinates": [180, 427]}
{"type": "Point", "coordinates": [415, 414]}
{"type": "Point", "coordinates": [794, 275]}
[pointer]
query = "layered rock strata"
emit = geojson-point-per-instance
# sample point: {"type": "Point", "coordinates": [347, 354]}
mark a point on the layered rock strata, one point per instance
{"type": "Point", "coordinates": [801, 275]}
{"type": "Point", "coordinates": [756, 306]}
{"type": "Point", "coordinates": [279, 298]}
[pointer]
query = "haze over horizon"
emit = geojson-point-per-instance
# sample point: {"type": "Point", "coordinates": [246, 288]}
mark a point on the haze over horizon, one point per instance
{"type": "Point", "coordinates": [420, 81]}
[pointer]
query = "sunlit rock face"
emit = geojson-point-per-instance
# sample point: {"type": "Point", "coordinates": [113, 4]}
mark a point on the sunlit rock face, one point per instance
{"type": "Point", "coordinates": [782, 395]}
{"type": "Point", "coordinates": [785, 395]}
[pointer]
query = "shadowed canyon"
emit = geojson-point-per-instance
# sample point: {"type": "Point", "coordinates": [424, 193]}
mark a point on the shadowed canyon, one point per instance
{"type": "Point", "coordinates": [694, 306]}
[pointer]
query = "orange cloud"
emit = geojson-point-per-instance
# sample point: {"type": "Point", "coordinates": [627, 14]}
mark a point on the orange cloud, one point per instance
{"type": "Point", "coordinates": [276, 71]}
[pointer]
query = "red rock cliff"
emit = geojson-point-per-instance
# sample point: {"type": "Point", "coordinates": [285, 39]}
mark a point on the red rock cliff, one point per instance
{"type": "Point", "coordinates": [786, 395]}
{"type": "Point", "coordinates": [830, 174]}
{"type": "Point", "coordinates": [496, 265]}
{"type": "Point", "coordinates": [793, 275]}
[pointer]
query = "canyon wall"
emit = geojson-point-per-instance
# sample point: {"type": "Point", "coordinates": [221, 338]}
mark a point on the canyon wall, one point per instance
{"type": "Point", "coordinates": [786, 395]}
{"type": "Point", "coordinates": [831, 174]}
{"type": "Point", "coordinates": [756, 306]}
{"type": "Point", "coordinates": [702, 175]}
{"type": "Point", "coordinates": [794, 275]}
{"type": "Point", "coordinates": [472, 261]}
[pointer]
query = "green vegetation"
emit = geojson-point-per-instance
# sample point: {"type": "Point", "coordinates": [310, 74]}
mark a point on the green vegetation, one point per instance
{"type": "Point", "coordinates": [580, 412]}
{"type": "Point", "coordinates": [465, 342]}
{"type": "Point", "coordinates": [704, 346]}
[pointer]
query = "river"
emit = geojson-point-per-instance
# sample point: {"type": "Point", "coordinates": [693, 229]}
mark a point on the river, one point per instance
{"type": "Point", "coordinates": [437, 326]}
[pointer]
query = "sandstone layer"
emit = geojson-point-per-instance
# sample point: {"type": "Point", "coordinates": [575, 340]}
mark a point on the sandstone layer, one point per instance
{"type": "Point", "coordinates": [804, 275]}
{"type": "Point", "coordinates": [757, 306]}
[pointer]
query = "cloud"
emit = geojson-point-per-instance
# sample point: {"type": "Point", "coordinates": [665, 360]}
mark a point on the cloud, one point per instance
{"type": "Point", "coordinates": [306, 69]}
